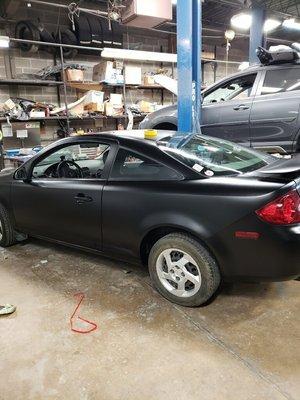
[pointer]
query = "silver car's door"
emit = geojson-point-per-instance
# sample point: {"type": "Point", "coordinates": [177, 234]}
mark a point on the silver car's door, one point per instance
{"type": "Point", "coordinates": [274, 120]}
{"type": "Point", "coordinates": [226, 108]}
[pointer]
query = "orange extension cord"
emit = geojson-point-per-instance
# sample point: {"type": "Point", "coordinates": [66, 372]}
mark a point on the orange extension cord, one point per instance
{"type": "Point", "coordinates": [93, 325]}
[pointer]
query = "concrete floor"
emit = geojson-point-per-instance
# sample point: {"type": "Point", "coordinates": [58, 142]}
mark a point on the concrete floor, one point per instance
{"type": "Point", "coordinates": [244, 345]}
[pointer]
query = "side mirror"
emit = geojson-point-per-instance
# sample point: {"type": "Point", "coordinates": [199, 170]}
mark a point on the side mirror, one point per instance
{"type": "Point", "coordinates": [22, 175]}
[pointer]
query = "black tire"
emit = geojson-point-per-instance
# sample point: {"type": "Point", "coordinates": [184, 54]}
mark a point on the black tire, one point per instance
{"type": "Point", "coordinates": [96, 30]}
{"type": "Point", "coordinates": [68, 37]}
{"type": "Point", "coordinates": [7, 234]}
{"type": "Point", "coordinates": [166, 126]}
{"type": "Point", "coordinates": [27, 30]}
{"type": "Point", "coordinates": [83, 31]}
{"type": "Point", "coordinates": [209, 271]}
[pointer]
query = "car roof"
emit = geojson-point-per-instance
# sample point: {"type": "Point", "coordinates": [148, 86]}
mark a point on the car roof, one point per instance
{"type": "Point", "coordinates": [123, 137]}
{"type": "Point", "coordinates": [253, 69]}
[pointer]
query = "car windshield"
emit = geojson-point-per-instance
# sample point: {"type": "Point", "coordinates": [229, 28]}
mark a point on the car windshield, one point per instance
{"type": "Point", "coordinates": [216, 157]}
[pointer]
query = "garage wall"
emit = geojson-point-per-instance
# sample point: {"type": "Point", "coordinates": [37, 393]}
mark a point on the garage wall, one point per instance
{"type": "Point", "coordinates": [26, 63]}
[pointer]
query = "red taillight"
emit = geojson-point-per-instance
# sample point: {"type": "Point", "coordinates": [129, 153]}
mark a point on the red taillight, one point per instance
{"type": "Point", "coordinates": [282, 211]}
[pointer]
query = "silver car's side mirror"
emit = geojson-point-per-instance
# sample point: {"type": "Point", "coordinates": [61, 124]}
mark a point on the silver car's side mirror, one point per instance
{"type": "Point", "coordinates": [22, 175]}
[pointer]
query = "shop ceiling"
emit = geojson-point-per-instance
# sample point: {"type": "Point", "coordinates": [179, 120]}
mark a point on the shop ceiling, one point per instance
{"type": "Point", "coordinates": [216, 14]}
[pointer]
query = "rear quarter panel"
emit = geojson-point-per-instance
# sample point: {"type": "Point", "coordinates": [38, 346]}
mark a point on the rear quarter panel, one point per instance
{"type": "Point", "coordinates": [203, 208]}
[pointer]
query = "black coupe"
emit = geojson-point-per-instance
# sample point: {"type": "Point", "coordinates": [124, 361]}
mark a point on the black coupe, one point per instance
{"type": "Point", "coordinates": [197, 210]}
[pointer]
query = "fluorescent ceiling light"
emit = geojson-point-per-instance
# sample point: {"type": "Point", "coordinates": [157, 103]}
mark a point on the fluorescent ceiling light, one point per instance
{"type": "Point", "coordinates": [271, 25]}
{"type": "Point", "coordinates": [123, 54]}
{"type": "Point", "coordinates": [241, 21]}
{"type": "Point", "coordinates": [291, 24]}
{"type": "Point", "coordinates": [4, 42]}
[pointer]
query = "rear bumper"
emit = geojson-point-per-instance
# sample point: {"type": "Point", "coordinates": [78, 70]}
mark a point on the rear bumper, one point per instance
{"type": "Point", "coordinates": [274, 256]}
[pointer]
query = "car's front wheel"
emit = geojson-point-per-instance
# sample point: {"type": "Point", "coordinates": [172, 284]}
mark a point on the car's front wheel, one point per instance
{"type": "Point", "coordinates": [7, 234]}
{"type": "Point", "coordinates": [182, 270]}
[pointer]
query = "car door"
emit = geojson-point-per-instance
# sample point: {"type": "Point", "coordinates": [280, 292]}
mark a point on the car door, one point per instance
{"type": "Point", "coordinates": [274, 121]}
{"type": "Point", "coordinates": [64, 208]}
{"type": "Point", "coordinates": [137, 184]}
{"type": "Point", "coordinates": [226, 109]}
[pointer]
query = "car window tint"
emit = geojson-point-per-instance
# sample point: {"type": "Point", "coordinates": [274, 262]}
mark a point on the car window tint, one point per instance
{"type": "Point", "coordinates": [131, 166]}
{"type": "Point", "coordinates": [238, 88]}
{"type": "Point", "coordinates": [281, 80]}
{"type": "Point", "coordinates": [84, 160]}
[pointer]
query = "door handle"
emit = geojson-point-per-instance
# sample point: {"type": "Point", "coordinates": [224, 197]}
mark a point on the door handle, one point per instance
{"type": "Point", "coordinates": [241, 107]}
{"type": "Point", "coordinates": [82, 198]}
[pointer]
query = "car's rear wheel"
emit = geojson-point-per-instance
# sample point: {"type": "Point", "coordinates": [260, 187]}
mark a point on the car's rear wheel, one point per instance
{"type": "Point", "coordinates": [182, 270]}
{"type": "Point", "coordinates": [7, 234]}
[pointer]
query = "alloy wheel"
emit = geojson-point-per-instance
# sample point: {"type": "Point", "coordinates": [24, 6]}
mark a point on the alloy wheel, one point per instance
{"type": "Point", "coordinates": [178, 272]}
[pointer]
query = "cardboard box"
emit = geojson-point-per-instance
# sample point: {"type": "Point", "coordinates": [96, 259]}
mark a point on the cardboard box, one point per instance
{"type": "Point", "coordinates": [104, 71]}
{"type": "Point", "coordinates": [149, 80]}
{"type": "Point", "coordinates": [119, 65]}
{"type": "Point", "coordinates": [112, 110]}
{"type": "Point", "coordinates": [94, 96]}
{"type": "Point", "coordinates": [146, 107]}
{"type": "Point", "coordinates": [94, 107]}
{"type": "Point", "coordinates": [116, 99]}
{"type": "Point", "coordinates": [37, 114]}
{"type": "Point", "coordinates": [74, 75]}
{"type": "Point", "coordinates": [109, 72]}
{"type": "Point", "coordinates": [133, 75]}
{"type": "Point", "coordinates": [9, 105]}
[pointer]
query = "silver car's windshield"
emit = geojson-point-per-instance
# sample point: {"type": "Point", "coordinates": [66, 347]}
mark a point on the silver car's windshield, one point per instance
{"type": "Point", "coordinates": [215, 157]}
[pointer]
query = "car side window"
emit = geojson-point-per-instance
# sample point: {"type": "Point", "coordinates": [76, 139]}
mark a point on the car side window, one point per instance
{"type": "Point", "coordinates": [85, 160]}
{"type": "Point", "coordinates": [281, 80]}
{"type": "Point", "coordinates": [132, 166]}
{"type": "Point", "coordinates": [238, 88]}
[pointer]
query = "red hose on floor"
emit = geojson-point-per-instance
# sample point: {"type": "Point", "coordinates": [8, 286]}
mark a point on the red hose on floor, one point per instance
{"type": "Point", "coordinates": [93, 325]}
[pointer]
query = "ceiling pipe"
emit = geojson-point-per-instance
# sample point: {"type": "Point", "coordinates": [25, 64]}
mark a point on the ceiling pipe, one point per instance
{"type": "Point", "coordinates": [105, 14]}
{"type": "Point", "coordinates": [58, 5]}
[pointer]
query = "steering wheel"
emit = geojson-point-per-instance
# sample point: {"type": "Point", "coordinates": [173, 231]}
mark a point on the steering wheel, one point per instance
{"type": "Point", "coordinates": [64, 169]}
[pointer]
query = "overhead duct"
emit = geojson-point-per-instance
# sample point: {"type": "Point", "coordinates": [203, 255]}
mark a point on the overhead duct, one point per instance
{"type": "Point", "coordinates": [147, 14]}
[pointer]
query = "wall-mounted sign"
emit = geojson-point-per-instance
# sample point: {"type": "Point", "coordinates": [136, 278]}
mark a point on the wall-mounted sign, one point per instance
{"type": "Point", "coordinates": [7, 130]}
{"type": "Point", "coordinates": [22, 133]}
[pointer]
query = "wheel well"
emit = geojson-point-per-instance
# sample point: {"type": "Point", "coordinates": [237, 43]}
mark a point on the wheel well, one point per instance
{"type": "Point", "coordinates": [153, 236]}
{"type": "Point", "coordinates": [166, 126]}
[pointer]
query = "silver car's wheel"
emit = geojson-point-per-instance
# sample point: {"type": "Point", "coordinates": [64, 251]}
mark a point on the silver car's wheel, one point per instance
{"type": "Point", "coordinates": [178, 272]}
{"type": "Point", "coordinates": [183, 270]}
{"type": "Point", "coordinates": [7, 236]}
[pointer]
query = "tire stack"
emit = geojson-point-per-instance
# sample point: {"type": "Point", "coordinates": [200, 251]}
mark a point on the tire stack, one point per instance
{"type": "Point", "coordinates": [90, 30]}
{"type": "Point", "coordinates": [29, 31]}
{"type": "Point", "coordinates": [98, 32]}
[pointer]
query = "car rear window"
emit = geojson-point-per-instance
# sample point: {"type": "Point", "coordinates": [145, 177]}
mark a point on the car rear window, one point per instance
{"type": "Point", "coordinates": [216, 157]}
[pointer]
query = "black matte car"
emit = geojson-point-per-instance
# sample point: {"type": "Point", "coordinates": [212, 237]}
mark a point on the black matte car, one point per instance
{"type": "Point", "coordinates": [196, 210]}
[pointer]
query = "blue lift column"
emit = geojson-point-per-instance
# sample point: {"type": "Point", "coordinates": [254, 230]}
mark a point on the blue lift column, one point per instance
{"type": "Point", "coordinates": [257, 35]}
{"type": "Point", "coordinates": [189, 47]}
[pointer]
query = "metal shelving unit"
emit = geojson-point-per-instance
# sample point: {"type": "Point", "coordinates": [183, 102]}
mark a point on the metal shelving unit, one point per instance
{"type": "Point", "coordinates": [29, 82]}
{"type": "Point", "coordinates": [74, 118]}
{"type": "Point", "coordinates": [65, 120]}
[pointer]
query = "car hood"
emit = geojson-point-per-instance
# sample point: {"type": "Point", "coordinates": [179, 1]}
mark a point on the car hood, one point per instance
{"type": "Point", "coordinates": [7, 172]}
